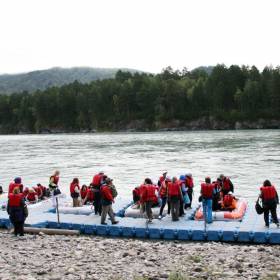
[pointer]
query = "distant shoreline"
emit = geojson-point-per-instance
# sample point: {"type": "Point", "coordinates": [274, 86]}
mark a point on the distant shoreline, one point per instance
{"type": "Point", "coordinates": [202, 124]}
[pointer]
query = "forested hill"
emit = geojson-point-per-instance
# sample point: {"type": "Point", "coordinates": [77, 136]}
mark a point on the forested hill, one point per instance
{"type": "Point", "coordinates": [43, 79]}
{"type": "Point", "coordinates": [225, 98]}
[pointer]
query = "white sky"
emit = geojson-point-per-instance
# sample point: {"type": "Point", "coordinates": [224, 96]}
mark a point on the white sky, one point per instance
{"type": "Point", "coordinates": [142, 34]}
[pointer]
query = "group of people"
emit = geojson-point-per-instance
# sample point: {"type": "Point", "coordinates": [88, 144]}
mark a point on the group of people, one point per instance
{"type": "Point", "coordinates": [101, 192]}
{"type": "Point", "coordinates": [176, 193]}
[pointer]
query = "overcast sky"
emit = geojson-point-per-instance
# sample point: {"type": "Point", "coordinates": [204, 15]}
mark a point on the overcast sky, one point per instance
{"type": "Point", "coordinates": [141, 34]}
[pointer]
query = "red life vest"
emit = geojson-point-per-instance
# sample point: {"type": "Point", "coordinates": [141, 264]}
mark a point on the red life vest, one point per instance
{"type": "Point", "coordinates": [106, 193]}
{"type": "Point", "coordinates": [96, 180]}
{"type": "Point", "coordinates": [54, 179]}
{"type": "Point", "coordinates": [268, 192]}
{"type": "Point", "coordinates": [163, 190]}
{"type": "Point", "coordinates": [228, 200]}
{"type": "Point", "coordinates": [13, 185]}
{"type": "Point", "coordinates": [189, 182]}
{"type": "Point", "coordinates": [174, 189]}
{"type": "Point", "coordinates": [226, 184]}
{"type": "Point", "coordinates": [207, 190]}
{"type": "Point", "coordinates": [161, 179]}
{"type": "Point", "coordinates": [84, 193]}
{"type": "Point", "coordinates": [150, 193]}
{"type": "Point", "coordinates": [25, 192]}
{"type": "Point", "coordinates": [15, 199]}
{"type": "Point", "coordinates": [39, 191]}
{"type": "Point", "coordinates": [90, 195]}
{"type": "Point", "coordinates": [73, 186]}
{"type": "Point", "coordinates": [31, 196]}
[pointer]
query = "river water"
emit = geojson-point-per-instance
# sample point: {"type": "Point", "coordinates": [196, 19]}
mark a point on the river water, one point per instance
{"type": "Point", "coordinates": [247, 157]}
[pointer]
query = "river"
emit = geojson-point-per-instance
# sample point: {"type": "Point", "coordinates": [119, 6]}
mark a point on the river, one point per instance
{"type": "Point", "coordinates": [246, 156]}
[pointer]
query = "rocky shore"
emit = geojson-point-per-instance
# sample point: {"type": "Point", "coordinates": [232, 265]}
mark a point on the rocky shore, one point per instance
{"type": "Point", "coordinates": [90, 257]}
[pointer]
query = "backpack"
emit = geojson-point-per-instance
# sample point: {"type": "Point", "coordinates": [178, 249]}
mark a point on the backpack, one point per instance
{"type": "Point", "coordinates": [258, 207]}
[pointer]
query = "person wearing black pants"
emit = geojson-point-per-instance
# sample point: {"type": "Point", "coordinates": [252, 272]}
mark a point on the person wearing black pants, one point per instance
{"type": "Point", "coordinates": [270, 200]}
{"type": "Point", "coordinates": [17, 211]}
{"type": "Point", "coordinates": [189, 185]}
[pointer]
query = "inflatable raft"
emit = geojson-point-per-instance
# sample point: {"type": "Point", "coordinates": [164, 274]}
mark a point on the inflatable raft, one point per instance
{"type": "Point", "coordinates": [134, 212]}
{"type": "Point", "coordinates": [236, 214]}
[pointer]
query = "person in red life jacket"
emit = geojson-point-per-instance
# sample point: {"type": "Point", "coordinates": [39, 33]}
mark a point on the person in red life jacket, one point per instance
{"type": "Point", "coordinates": [227, 185]}
{"type": "Point", "coordinates": [216, 205]}
{"type": "Point", "coordinates": [106, 201]}
{"type": "Point", "coordinates": [175, 196]}
{"type": "Point", "coordinates": [53, 184]}
{"type": "Point", "coordinates": [207, 199]}
{"type": "Point", "coordinates": [163, 194]}
{"type": "Point", "coordinates": [17, 211]}
{"type": "Point", "coordinates": [229, 202]}
{"type": "Point", "coordinates": [16, 184]}
{"type": "Point", "coordinates": [44, 191]}
{"type": "Point", "coordinates": [39, 192]}
{"type": "Point", "coordinates": [149, 198]}
{"type": "Point", "coordinates": [189, 186]}
{"type": "Point", "coordinates": [270, 200]}
{"type": "Point", "coordinates": [32, 196]}
{"type": "Point", "coordinates": [83, 193]}
{"type": "Point", "coordinates": [25, 192]}
{"type": "Point", "coordinates": [162, 178]}
{"type": "Point", "coordinates": [75, 192]}
{"type": "Point", "coordinates": [96, 183]}
{"type": "Point", "coordinates": [136, 195]}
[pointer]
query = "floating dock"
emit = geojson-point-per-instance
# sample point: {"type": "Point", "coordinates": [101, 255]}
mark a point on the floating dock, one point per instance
{"type": "Point", "coordinates": [250, 230]}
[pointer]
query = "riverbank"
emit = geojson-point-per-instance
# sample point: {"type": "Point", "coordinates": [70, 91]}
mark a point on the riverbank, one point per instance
{"type": "Point", "coordinates": [205, 123]}
{"type": "Point", "coordinates": [83, 257]}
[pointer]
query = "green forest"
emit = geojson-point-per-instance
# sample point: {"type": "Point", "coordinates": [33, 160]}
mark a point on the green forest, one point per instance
{"type": "Point", "coordinates": [227, 94]}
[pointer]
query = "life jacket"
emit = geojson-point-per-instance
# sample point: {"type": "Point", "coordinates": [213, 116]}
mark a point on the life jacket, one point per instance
{"type": "Point", "coordinates": [90, 195]}
{"type": "Point", "coordinates": [96, 180]}
{"type": "Point", "coordinates": [207, 190]}
{"type": "Point", "coordinates": [25, 192]}
{"type": "Point", "coordinates": [83, 193]}
{"type": "Point", "coordinates": [31, 196]}
{"type": "Point", "coordinates": [227, 200]}
{"type": "Point", "coordinates": [73, 186]}
{"type": "Point", "coordinates": [150, 193]}
{"type": "Point", "coordinates": [13, 185]}
{"type": "Point", "coordinates": [189, 182]}
{"type": "Point", "coordinates": [15, 200]}
{"type": "Point", "coordinates": [54, 179]}
{"type": "Point", "coordinates": [174, 189]}
{"type": "Point", "coordinates": [163, 190]}
{"type": "Point", "coordinates": [268, 193]}
{"type": "Point", "coordinates": [106, 193]}
{"type": "Point", "coordinates": [226, 184]}
{"type": "Point", "coordinates": [142, 190]}
{"type": "Point", "coordinates": [39, 191]}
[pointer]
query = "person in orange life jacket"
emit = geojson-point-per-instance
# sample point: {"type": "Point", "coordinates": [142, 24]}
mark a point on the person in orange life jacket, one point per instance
{"type": "Point", "coordinates": [190, 186]}
{"type": "Point", "coordinates": [32, 196]}
{"type": "Point", "coordinates": [227, 185]}
{"type": "Point", "coordinates": [149, 198]}
{"type": "Point", "coordinates": [217, 195]}
{"type": "Point", "coordinates": [96, 183]}
{"type": "Point", "coordinates": [207, 199]}
{"type": "Point", "coordinates": [15, 209]}
{"type": "Point", "coordinates": [163, 193]}
{"type": "Point", "coordinates": [75, 192]}
{"type": "Point", "coordinates": [162, 178]}
{"type": "Point", "coordinates": [270, 200]}
{"type": "Point", "coordinates": [174, 196]}
{"type": "Point", "coordinates": [106, 201]}
{"type": "Point", "coordinates": [229, 202]}
{"type": "Point", "coordinates": [44, 190]}
{"type": "Point", "coordinates": [16, 184]}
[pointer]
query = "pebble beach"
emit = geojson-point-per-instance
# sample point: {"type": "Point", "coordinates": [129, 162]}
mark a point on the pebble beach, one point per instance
{"type": "Point", "coordinates": [56, 257]}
